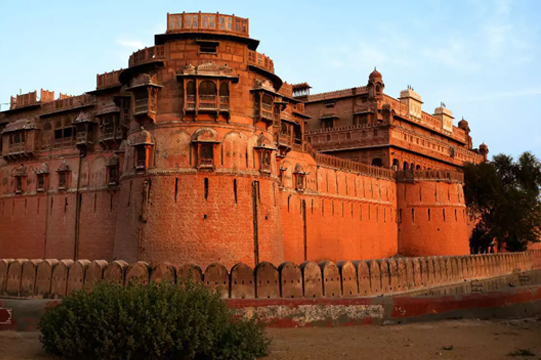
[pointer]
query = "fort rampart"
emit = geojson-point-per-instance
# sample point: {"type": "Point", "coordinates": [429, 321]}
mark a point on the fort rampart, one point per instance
{"type": "Point", "coordinates": [54, 279]}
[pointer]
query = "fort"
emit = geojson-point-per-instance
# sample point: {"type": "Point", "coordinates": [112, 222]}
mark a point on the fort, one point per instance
{"type": "Point", "coordinates": [198, 152]}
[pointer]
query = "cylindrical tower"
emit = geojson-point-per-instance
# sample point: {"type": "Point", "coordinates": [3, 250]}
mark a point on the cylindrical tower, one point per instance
{"type": "Point", "coordinates": [199, 180]}
{"type": "Point", "coordinates": [432, 218]}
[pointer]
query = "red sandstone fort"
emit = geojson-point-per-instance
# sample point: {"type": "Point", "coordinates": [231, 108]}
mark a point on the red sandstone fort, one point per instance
{"type": "Point", "coordinates": [198, 152]}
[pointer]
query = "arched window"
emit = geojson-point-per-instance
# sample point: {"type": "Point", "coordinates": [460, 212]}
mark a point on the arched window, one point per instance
{"type": "Point", "coordinates": [190, 88]}
{"type": "Point", "coordinates": [207, 95]}
{"type": "Point", "coordinates": [377, 162]}
{"type": "Point", "coordinates": [418, 167]}
{"type": "Point", "coordinates": [224, 96]}
{"type": "Point", "coordinates": [224, 89]}
{"type": "Point", "coordinates": [406, 166]}
{"type": "Point", "coordinates": [396, 164]}
{"type": "Point", "coordinates": [207, 88]}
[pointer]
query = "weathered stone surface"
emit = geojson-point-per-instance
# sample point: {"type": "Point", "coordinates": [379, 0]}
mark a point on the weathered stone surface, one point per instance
{"type": "Point", "coordinates": [348, 274]}
{"type": "Point", "coordinates": [385, 276]}
{"type": "Point", "coordinates": [311, 277]}
{"type": "Point", "coordinates": [138, 272]}
{"type": "Point", "coordinates": [291, 282]}
{"type": "Point", "coordinates": [216, 277]}
{"type": "Point", "coordinates": [94, 274]}
{"type": "Point", "coordinates": [116, 272]}
{"type": "Point", "coordinates": [331, 279]}
{"type": "Point", "coordinates": [242, 282]}
{"type": "Point", "coordinates": [163, 272]}
{"type": "Point", "coordinates": [28, 281]}
{"type": "Point", "coordinates": [76, 276]}
{"type": "Point", "coordinates": [44, 276]}
{"type": "Point", "coordinates": [363, 277]}
{"type": "Point", "coordinates": [190, 272]}
{"type": "Point", "coordinates": [375, 278]}
{"type": "Point", "coordinates": [59, 283]}
{"type": "Point", "coordinates": [267, 281]}
{"type": "Point", "coordinates": [15, 274]}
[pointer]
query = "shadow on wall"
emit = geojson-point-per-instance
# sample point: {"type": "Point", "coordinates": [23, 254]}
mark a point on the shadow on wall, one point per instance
{"type": "Point", "coordinates": [54, 279]}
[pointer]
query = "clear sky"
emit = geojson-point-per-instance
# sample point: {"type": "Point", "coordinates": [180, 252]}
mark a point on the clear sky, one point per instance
{"type": "Point", "coordinates": [482, 58]}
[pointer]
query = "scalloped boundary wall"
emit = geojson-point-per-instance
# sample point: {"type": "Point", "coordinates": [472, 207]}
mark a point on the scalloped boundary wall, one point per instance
{"type": "Point", "coordinates": [53, 278]}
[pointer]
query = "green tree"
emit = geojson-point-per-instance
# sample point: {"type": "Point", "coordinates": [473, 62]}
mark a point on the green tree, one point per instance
{"type": "Point", "coordinates": [505, 196]}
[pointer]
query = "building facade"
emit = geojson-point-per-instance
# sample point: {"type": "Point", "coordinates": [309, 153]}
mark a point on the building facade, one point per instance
{"type": "Point", "coordinates": [198, 152]}
{"type": "Point", "coordinates": [364, 124]}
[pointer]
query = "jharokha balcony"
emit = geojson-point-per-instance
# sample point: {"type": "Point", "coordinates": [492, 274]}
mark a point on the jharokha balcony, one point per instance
{"type": "Point", "coordinates": [147, 55]}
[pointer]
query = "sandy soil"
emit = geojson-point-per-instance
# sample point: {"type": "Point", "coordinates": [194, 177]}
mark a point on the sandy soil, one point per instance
{"type": "Point", "coordinates": [464, 339]}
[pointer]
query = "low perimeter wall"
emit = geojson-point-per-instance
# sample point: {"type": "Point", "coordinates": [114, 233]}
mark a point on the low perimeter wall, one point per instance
{"type": "Point", "coordinates": [53, 279]}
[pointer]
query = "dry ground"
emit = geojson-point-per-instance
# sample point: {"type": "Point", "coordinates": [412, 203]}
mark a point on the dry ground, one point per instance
{"type": "Point", "coordinates": [463, 339]}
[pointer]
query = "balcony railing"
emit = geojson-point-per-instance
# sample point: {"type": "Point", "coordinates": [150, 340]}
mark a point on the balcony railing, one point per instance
{"type": "Point", "coordinates": [108, 79]}
{"type": "Point", "coordinates": [68, 103]}
{"type": "Point", "coordinates": [17, 148]}
{"type": "Point", "coordinates": [190, 102]}
{"type": "Point", "coordinates": [147, 55]}
{"type": "Point", "coordinates": [224, 102]}
{"type": "Point", "coordinates": [430, 175]}
{"type": "Point", "coordinates": [208, 102]}
{"type": "Point", "coordinates": [260, 60]}
{"type": "Point", "coordinates": [207, 22]}
{"type": "Point", "coordinates": [141, 106]}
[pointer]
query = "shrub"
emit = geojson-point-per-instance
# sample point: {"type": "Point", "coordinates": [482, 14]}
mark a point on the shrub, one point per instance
{"type": "Point", "coordinates": [155, 321]}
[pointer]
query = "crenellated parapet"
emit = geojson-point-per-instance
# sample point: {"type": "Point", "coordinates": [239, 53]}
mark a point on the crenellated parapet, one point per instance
{"type": "Point", "coordinates": [51, 278]}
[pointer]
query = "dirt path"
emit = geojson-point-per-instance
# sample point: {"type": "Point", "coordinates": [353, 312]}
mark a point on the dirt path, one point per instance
{"type": "Point", "coordinates": [464, 339]}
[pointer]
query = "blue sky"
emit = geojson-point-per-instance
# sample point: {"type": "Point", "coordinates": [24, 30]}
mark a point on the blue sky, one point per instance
{"type": "Point", "coordinates": [481, 57]}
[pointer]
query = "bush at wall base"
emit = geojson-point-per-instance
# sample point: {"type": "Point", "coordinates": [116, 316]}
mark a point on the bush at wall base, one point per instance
{"type": "Point", "coordinates": [155, 321]}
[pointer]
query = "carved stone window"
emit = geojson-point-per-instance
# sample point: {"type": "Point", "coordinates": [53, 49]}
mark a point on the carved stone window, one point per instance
{"type": "Point", "coordinates": [42, 175]}
{"type": "Point", "coordinates": [224, 96]}
{"type": "Point", "coordinates": [265, 150]}
{"type": "Point", "coordinates": [328, 123]}
{"type": "Point", "coordinates": [112, 170]}
{"type": "Point", "coordinates": [207, 95]}
{"type": "Point", "coordinates": [40, 184]}
{"type": "Point", "coordinates": [142, 143]}
{"type": "Point", "coordinates": [63, 133]}
{"type": "Point", "coordinates": [206, 154]}
{"type": "Point", "coordinates": [63, 176]}
{"type": "Point", "coordinates": [190, 95]}
{"type": "Point", "coordinates": [20, 179]}
{"type": "Point", "coordinates": [141, 158]}
{"type": "Point", "coordinates": [204, 141]}
{"type": "Point", "coordinates": [300, 178]}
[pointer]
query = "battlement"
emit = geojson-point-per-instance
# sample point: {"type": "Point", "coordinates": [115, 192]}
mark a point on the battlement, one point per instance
{"type": "Point", "coordinates": [430, 175]}
{"type": "Point", "coordinates": [207, 23]}
{"type": "Point", "coordinates": [54, 279]}
{"type": "Point", "coordinates": [147, 55]}
{"type": "Point", "coordinates": [108, 79]}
